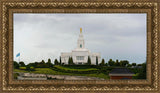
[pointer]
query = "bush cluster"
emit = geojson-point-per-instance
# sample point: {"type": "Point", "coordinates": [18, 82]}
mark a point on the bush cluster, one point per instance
{"type": "Point", "coordinates": [22, 68]}
{"type": "Point", "coordinates": [82, 69]}
{"type": "Point", "coordinates": [76, 71]}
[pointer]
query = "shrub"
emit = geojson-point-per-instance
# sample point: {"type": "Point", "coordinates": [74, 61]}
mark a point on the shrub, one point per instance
{"type": "Point", "coordinates": [15, 75]}
{"type": "Point", "coordinates": [76, 71]}
{"type": "Point", "coordinates": [16, 65]}
{"type": "Point", "coordinates": [32, 68]}
{"type": "Point", "coordinates": [22, 68]}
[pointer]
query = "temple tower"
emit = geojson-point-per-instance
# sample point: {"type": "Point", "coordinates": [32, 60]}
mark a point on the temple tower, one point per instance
{"type": "Point", "coordinates": [80, 43]}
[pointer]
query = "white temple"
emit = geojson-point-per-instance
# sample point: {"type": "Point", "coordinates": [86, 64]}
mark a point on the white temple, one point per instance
{"type": "Point", "coordinates": [80, 54]}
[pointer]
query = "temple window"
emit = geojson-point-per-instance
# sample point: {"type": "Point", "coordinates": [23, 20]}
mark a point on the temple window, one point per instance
{"type": "Point", "coordinates": [80, 45]}
{"type": "Point", "coordinates": [80, 57]}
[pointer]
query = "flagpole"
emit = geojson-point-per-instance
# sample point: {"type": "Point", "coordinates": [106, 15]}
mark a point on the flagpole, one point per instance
{"type": "Point", "coordinates": [19, 58]}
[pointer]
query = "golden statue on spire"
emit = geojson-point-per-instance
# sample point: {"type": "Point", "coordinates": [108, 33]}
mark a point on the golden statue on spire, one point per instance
{"type": "Point", "coordinates": [80, 30]}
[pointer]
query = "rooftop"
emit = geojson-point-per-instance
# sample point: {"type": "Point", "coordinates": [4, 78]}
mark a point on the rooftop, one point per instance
{"type": "Point", "coordinates": [121, 71]}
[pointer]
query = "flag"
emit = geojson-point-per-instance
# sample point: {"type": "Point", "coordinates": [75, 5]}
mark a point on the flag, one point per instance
{"type": "Point", "coordinates": [18, 55]}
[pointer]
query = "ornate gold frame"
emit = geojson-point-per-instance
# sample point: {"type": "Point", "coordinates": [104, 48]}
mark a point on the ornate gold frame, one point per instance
{"type": "Point", "coordinates": [7, 8]}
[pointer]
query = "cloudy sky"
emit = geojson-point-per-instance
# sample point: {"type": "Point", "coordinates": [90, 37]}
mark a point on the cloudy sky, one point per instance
{"type": "Point", "coordinates": [115, 36]}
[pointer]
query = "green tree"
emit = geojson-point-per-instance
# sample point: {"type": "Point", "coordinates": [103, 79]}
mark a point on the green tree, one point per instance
{"type": "Point", "coordinates": [16, 65]}
{"type": "Point", "coordinates": [36, 64]}
{"type": "Point", "coordinates": [124, 63]}
{"type": "Point", "coordinates": [134, 64]}
{"type": "Point", "coordinates": [142, 74]}
{"type": "Point", "coordinates": [49, 64]}
{"type": "Point", "coordinates": [42, 64]}
{"type": "Point", "coordinates": [32, 64]}
{"type": "Point", "coordinates": [60, 62]}
{"type": "Point", "coordinates": [56, 62]}
{"type": "Point", "coordinates": [22, 64]}
{"type": "Point", "coordinates": [49, 60]}
{"type": "Point", "coordinates": [42, 61]}
{"type": "Point", "coordinates": [129, 65]}
{"type": "Point", "coordinates": [70, 61]}
{"type": "Point", "coordinates": [96, 60]}
{"type": "Point", "coordinates": [139, 65]}
{"type": "Point", "coordinates": [117, 63]}
{"type": "Point", "coordinates": [28, 68]}
{"type": "Point", "coordinates": [111, 62]}
{"type": "Point", "coordinates": [106, 64]}
{"type": "Point", "coordinates": [89, 61]}
{"type": "Point", "coordinates": [103, 62]}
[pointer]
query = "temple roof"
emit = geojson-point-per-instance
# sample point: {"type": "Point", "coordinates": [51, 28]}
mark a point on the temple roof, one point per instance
{"type": "Point", "coordinates": [80, 49]}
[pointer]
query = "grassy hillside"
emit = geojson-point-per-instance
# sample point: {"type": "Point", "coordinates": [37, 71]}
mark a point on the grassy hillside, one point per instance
{"type": "Point", "coordinates": [60, 70]}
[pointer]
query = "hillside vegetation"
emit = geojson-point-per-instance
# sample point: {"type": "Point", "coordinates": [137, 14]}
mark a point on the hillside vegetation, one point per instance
{"type": "Point", "coordinates": [64, 70]}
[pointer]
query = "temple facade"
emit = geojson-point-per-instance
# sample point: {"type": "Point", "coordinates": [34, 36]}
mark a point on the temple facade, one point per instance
{"type": "Point", "coordinates": [80, 54]}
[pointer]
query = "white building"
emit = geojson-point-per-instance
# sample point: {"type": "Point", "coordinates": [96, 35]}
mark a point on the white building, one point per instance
{"type": "Point", "coordinates": [80, 54]}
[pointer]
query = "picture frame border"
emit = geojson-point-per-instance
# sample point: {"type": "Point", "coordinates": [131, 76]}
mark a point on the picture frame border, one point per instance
{"type": "Point", "coordinates": [151, 84]}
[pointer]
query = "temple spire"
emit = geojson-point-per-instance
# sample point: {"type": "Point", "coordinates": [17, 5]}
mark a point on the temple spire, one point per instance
{"type": "Point", "coordinates": [80, 30]}
{"type": "Point", "coordinates": [80, 43]}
